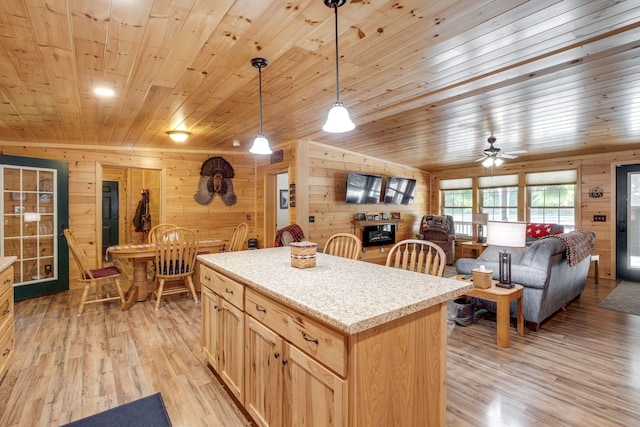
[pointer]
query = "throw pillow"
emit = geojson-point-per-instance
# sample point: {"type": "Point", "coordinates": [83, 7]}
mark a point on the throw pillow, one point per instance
{"type": "Point", "coordinates": [538, 230]}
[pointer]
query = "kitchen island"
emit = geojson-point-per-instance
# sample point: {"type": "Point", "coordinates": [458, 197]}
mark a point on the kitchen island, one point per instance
{"type": "Point", "coordinates": [345, 343]}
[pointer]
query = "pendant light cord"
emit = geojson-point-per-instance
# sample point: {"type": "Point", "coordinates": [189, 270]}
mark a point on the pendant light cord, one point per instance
{"type": "Point", "coordinates": [260, 86]}
{"type": "Point", "coordinates": [335, 8]}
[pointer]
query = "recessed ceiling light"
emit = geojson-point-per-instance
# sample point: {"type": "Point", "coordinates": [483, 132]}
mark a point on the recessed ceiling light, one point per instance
{"type": "Point", "coordinates": [103, 91]}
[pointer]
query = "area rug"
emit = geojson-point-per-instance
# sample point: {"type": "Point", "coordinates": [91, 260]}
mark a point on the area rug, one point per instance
{"type": "Point", "coordinates": [146, 412]}
{"type": "Point", "coordinates": [625, 298]}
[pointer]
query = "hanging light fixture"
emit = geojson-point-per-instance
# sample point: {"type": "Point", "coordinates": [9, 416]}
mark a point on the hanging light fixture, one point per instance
{"type": "Point", "coordinates": [338, 120]}
{"type": "Point", "coordinates": [260, 144]}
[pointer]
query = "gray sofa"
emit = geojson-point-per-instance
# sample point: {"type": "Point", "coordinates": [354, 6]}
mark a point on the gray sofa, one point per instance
{"type": "Point", "coordinates": [543, 270]}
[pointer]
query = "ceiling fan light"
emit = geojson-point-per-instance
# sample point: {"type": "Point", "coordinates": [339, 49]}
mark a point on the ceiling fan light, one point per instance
{"type": "Point", "coordinates": [178, 135]}
{"type": "Point", "coordinates": [260, 145]}
{"type": "Point", "coordinates": [488, 162]}
{"type": "Point", "coordinates": [338, 120]}
{"type": "Point", "coordinates": [498, 162]}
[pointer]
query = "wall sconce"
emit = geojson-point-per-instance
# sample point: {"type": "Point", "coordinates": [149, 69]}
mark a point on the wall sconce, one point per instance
{"type": "Point", "coordinates": [178, 135]}
{"type": "Point", "coordinates": [511, 235]}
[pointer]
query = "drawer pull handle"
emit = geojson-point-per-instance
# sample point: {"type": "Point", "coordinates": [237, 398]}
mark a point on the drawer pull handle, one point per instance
{"type": "Point", "coordinates": [229, 291]}
{"type": "Point", "coordinates": [308, 338]}
{"type": "Point", "coordinates": [5, 312]}
{"type": "Point", "coordinates": [285, 361]}
{"type": "Point", "coordinates": [6, 281]}
{"type": "Point", "coordinates": [262, 309]}
{"type": "Point", "coordinates": [6, 351]}
{"type": "Point", "coordinates": [276, 354]}
{"type": "Point", "coordinates": [217, 308]}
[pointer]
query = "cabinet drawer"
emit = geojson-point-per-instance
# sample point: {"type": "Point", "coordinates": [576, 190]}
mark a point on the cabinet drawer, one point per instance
{"type": "Point", "coordinates": [6, 307]}
{"type": "Point", "coordinates": [6, 280]}
{"type": "Point", "coordinates": [228, 289]}
{"type": "Point", "coordinates": [6, 344]}
{"type": "Point", "coordinates": [326, 345]}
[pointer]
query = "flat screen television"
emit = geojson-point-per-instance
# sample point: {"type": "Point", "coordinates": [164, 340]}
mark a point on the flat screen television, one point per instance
{"type": "Point", "coordinates": [363, 188]}
{"type": "Point", "coordinates": [399, 191]}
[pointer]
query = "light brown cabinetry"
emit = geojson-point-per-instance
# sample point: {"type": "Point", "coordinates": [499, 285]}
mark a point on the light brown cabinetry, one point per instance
{"type": "Point", "coordinates": [6, 319]}
{"type": "Point", "coordinates": [223, 328]}
{"type": "Point", "coordinates": [301, 370]}
{"type": "Point", "coordinates": [284, 385]}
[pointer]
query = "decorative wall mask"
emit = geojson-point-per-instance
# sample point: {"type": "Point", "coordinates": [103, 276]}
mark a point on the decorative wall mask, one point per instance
{"type": "Point", "coordinates": [215, 177]}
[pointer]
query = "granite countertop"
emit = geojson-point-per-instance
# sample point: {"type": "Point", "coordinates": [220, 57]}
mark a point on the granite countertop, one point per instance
{"type": "Point", "coordinates": [349, 295]}
{"type": "Point", "coordinates": [6, 262]}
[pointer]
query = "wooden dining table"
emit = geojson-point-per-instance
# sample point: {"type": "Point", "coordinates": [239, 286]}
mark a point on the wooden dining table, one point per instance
{"type": "Point", "coordinates": [140, 254]}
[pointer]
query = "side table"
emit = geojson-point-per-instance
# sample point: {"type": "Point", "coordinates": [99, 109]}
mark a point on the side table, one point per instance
{"type": "Point", "coordinates": [474, 247]}
{"type": "Point", "coordinates": [502, 297]}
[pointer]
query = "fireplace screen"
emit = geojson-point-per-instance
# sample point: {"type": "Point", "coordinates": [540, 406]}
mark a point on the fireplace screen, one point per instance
{"type": "Point", "coordinates": [378, 235]}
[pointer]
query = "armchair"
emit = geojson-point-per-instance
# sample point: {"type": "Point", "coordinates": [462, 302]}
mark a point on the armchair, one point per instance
{"type": "Point", "coordinates": [439, 229]}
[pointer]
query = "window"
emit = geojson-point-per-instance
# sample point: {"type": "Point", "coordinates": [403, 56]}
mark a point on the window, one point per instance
{"type": "Point", "coordinates": [457, 201]}
{"type": "Point", "coordinates": [499, 197]}
{"type": "Point", "coordinates": [551, 198]}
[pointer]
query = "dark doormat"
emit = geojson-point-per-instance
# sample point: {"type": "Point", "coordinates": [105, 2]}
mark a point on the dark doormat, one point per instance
{"type": "Point", "coordinates": [625, 298]}
{"type": "Point", "coordinates": [146, 412]}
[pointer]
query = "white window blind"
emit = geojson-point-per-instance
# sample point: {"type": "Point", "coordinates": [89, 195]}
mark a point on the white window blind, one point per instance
{"type": "Point", "coordinates": [455, 184]}
{"type": "Point", "coordinates": [498, 181]}
{"type": "Point", "coordinates": [554, 177]}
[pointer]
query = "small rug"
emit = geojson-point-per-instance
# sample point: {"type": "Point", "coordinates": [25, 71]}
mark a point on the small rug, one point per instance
{"type": "Point", "coordinates": [625, 298]}
{"type": "Point", "coordinates": [146, 412]}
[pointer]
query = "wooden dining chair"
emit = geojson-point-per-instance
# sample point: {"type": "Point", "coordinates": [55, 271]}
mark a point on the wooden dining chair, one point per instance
{"type": "Point", "coordinates": [93, 277]}
{"type": "Point", "coordinates": [238, 238]}
{"type": "Point", "coordinates": [156, 231]}
{"type": "Point", "coordinates": [345, 245]}
{"type": "Point", "coordinates": [418, 255]}
{"type": "Point", "coordinates": [175, 260]}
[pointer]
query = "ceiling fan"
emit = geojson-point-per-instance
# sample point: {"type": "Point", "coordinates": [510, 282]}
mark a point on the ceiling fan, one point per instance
{"type": "Point", "coordinates": [493, 156]}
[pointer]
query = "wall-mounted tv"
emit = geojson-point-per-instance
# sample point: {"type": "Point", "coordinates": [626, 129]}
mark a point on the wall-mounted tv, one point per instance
{"type": "Point", "coordinates": [363, 188]}
{"type": "Point", "coordinates": [399, 191]}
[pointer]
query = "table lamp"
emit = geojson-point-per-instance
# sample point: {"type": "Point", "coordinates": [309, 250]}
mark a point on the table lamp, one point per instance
{"type": "Point", "coordinates": [509, 234]}
{"type": "Point", "coordinates": [481, 220]}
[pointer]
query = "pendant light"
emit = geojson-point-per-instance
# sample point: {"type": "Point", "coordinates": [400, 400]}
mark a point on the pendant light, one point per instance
{"type": "Point", "coordinates": [260, 144]}
{"type": "Point", "coordinates": [338, 120]}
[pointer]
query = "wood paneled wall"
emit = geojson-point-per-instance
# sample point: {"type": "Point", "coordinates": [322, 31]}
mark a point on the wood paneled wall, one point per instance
{"type": "Point", "coordinates": [327, 177]}
{"type": "Point", "coordinates": [593, 171]}
{"type": "Point", "coordinates": [180, 173]}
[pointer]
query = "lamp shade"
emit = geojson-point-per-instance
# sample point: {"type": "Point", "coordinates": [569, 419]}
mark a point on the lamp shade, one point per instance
{"type": "Point", "coordinates": [479, 218]}
{"type": "Point", "coordinates": [260, 145]}
{"type": "Point", "coordinates": [338, 120]}
{"type": "Point", "coordinates": [512, 234]}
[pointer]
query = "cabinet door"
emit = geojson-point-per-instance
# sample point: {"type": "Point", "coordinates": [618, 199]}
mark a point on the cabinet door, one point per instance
{"type": "Point", "coordinates": [232, 356]}
{"type": "Point", "coordinates": [263, 390]}
{"type": "Point", "coordinates": [314, 396]}
{"type": "Point", "coordinates": [211, 327]}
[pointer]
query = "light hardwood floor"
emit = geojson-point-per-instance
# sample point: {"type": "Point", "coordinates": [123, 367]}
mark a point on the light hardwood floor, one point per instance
{"type": "Point", "coordinates": [581, 368]}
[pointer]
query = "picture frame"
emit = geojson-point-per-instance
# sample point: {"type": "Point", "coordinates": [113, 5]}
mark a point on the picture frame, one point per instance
{"type": "Point", "coordinates": [384, 215]}
{"type": "Point", "coordinates": [395, 215]}
{"type": "Point", "coordinates": [369, 217]}
{"type": "Point", "coordinates": [284, 199]}
{"type": "Point", "coordinates": [360, 216]}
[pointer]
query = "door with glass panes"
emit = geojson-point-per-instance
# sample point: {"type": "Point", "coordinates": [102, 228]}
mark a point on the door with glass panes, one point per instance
{"type": "Point", "coordinates": [30, 230]}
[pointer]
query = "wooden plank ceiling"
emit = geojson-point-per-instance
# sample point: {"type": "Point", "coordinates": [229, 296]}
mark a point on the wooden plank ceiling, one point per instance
{"type": "Point", "coordinates": [426, 82]}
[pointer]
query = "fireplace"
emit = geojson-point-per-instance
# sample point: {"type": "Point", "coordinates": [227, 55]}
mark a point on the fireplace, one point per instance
{"type": "Point", "coordinates": [378, 235]}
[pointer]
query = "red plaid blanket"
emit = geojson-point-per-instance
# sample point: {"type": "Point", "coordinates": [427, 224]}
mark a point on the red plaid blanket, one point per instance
{"type": "Point", "coordinates": [294, 229]}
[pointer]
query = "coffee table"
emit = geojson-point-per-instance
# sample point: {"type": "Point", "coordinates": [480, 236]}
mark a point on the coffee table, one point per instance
{"type": "Point", "coordinates": [502, 297]}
